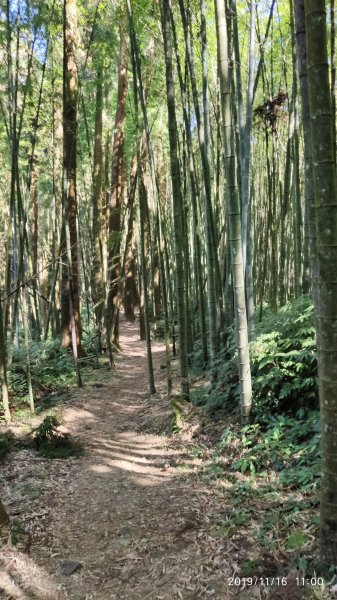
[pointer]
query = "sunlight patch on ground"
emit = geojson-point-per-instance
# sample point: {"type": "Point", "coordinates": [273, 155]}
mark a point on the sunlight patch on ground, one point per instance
{"type": "Point", "coordinates": [120, 456]}
{"type": "Point", "coordinates": [135, 448]}
{"type": "Point", "coordinates": [128, 465]}
{"type": "Point", "coordinates": [150, 481]}
{"type": "Point", "coordinates": [72, 415]}
{"type": "Point", "coordinates": [101, 469]}
{"type": "Point", "coordinates": [20, 575]}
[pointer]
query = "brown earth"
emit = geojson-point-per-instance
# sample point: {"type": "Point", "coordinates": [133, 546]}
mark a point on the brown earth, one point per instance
{"type": "Point", "coordinates": [138, 510]}
{"type": "Point", "coordinates": [130, 509]}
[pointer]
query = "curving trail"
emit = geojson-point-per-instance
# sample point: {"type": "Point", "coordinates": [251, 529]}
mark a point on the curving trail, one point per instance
{"type": "Point", "coordinates": [131, 510]}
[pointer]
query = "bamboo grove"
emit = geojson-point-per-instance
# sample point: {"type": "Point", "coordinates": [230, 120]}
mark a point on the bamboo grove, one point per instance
{"type": "Point", "coordinates": [173, 161]}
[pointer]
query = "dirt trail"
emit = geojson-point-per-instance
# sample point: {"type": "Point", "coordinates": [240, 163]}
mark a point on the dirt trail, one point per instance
{"type": "Point", "coordinates": [130, 510]}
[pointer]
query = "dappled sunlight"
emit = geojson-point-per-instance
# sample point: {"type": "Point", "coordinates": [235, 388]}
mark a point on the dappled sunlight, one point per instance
{"type": "Point", "coordinates": [127, 451]}
{"type": "Point", "coordinates": [153, 464]}
{"type": "Point", "coordinates": [127, 496]}
{"type": "Point", "coordinates": [167, 293]}
{"type": "Point", "coordinates": [129, 466]}
{"type": "Point", "coordinates": [113, 495]}
{"type": "Point", "coordinates": [147, 481]}
{"type": "Point", "coordinates": [142, 450]}
{"type": "Point", "coordinates": [74, 414]}
{"type": "Point", "coordinates": [132, 347]}
{"type": "Point", "coordinates": [149, 462]}
{"type": "Point", "coordinates": [100, 469]}
{"type": "Point", "coordinates": [122, 408]}
{"type": "Point", "coordinates": [132, 374]}
{"type": "Point", "coordinates": [135, 459]}
{"type": "Point", "coordinates": [20, 576]}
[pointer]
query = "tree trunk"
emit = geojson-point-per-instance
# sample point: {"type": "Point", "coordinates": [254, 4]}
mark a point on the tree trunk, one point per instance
{"type": "Point", "coordinates": [211, 248]}
{"type": "Point", "coordinates": [333, 69]}
{"type": "Point", "coordinates": [97, 275]}
{"type": "Point", "coordinates": [70, 275]}
{"type": "Point", "coordinates": [204, 148]}
{"type": "Point", "coordinates": [3, 371]}
{"type": "Point", "coordinates": [325, 187]}
{"type": "Point", "coordinates": [194, 200]}
{"type": "Point", "coordinates": [310, 215]}
{"type": "Point", "coordinates": [245, 170]}
{"type": "Point", "coordinates": [234, 215]}
{"type": "Point", "coordinates": [177, 202]}
{"type": "Point", "coordinates": [130, 293]}
{"type": "Point", "coordinates": [117, 174]}
{"type": "Point", "coordinates": [142, 192]}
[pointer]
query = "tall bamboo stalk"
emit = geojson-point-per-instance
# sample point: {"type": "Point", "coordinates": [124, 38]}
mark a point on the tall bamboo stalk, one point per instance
{"type": "Point", "coordinates": [234, 218]}
{"type": "Point", "coordinates": [177, 201]}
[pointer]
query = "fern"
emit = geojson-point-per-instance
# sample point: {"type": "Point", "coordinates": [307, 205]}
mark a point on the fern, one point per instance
{"type": "Point", "coordinates": [283, 363]}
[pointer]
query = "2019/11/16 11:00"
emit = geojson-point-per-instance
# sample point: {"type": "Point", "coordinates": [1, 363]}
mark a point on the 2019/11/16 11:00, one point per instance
{"type": "Point", "coordinates": [272, 581]}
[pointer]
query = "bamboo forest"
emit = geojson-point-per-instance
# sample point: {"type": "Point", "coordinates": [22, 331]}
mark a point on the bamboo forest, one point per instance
{"type": "Point", "coordinates": [168, 299]}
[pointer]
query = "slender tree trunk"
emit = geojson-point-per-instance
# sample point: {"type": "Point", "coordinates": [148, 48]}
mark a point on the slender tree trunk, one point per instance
{"type": "Point", "coordinates": [310, 213]}
{"type": "Point", "coordinates": [24, 312]}
{"type": "Point", "coordinates": [3, 371]}
{"type": "Point", "coordinates": [145, 332]}
{"type": "Point", "coordinates": [157, 305]}
{"type": "Point", "coordinates": [211, 247]}
{"type": "Point", "coordinates": [234, 215]}
{"type": "Point", "coordinates": [55, 309]}
{"type": "Point", "coordinates": [325, 186]}
{"type": "Point", "coordinates": [70, 98]}
{"type": "Point", "coordinates": [194, 200]}
{"type": "Point", "coordinates": [298, 263]}
{"type": "Point", "coordinates": [117, 175]}
{"type": "Point", "coordinates": [97, 275]}
{"type": "Point", "coordinates": [177, 201]}
{"type": "Point", "coordinates": [161, 247]}
{"type": "Point", "coordinates": [143, 211]}
{"type": "Point", "coordinates": [333, 68]}
{"type": "Point", "coordinates": [284, 210]}
{"type": "Point", "coordinates": [245, 170]}
{"type": "Point", "coordinates": [130, 294]}
{"type": "Point", "coordinates": [204, 148]}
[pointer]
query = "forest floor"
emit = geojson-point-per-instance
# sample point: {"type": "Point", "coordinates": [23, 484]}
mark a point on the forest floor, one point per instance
{"type": "Point", "coordinates": [135, 510]}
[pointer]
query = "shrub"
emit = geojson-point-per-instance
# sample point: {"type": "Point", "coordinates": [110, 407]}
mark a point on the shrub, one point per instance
{"type": "Point", "coordinates": [283, 357]}
{"type": "Point", "coordinates": [7, 439]}
{"type": "Point", "coordinates": [52, 443]}
{"type": "Point", "coordinates": [288, 445]}
{"type": "Point", "coordinates": [283, 363]}
{"type": "Point", "coordinates": [52, 369]}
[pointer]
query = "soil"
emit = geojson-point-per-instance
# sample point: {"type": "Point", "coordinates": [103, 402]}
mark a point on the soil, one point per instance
{"type": "Point", "coordinates": [141, 514]}
{"type": "Point", "coordinates": [131, 511]}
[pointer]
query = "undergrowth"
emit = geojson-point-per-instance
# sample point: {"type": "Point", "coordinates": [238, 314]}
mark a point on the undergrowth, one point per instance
{"type": "Point", "coordinates": [284, 434]}
{"type": "Point", "coordinates": [289, 446]}
{"type": "Point", "coordinates": [52, 369]}
{"type": "Point", "coordinates": [272, 473]}
{"type": "Point", "coordinates": [272, 465]}
{"type": "Point", "coordinates": [52, 372]}
{"type": "Point", "coordinates": [52, 443]}
{"type": "Point", "coordinates": [283, 365]}
{"type": "Point", "coordinates": [7, 440]}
